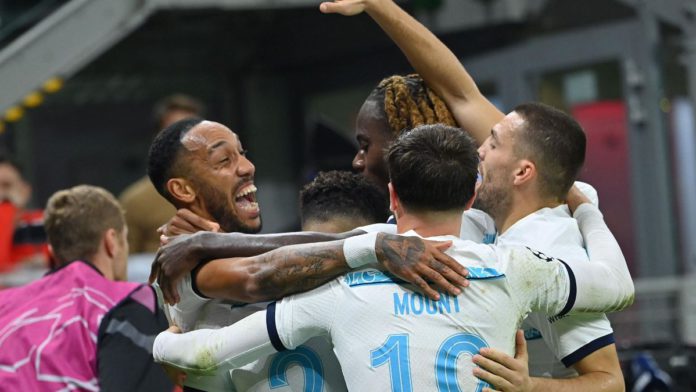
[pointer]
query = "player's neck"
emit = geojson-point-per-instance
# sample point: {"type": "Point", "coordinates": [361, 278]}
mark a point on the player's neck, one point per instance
{"type": "Point", "coordinates": [522, 206]}
{"type": "Point", "coordinates": [102, 262]}
{"type": "Point", "coordinates": [431, 224]}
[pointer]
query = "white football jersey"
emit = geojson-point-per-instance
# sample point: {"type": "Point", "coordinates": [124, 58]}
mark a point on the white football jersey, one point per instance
{"type": "Point", "coordinates": [390, 337]}
{"type": "Point", "coordinates": [312, 365]}
{"type": "Point", "coordinates": [553, 345]}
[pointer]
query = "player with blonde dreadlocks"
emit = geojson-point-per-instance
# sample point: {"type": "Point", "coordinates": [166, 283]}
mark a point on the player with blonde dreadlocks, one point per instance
{"type": "Point", "coordinates": [397, 104]}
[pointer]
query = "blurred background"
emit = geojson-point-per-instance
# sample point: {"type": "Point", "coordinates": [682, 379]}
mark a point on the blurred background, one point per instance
{"type": "Point", "coordinates": [79, 79]}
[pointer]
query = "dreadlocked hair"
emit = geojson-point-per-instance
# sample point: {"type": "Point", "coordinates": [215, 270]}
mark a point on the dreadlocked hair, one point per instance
{"type": "Point", "coordinates": [408, 103]}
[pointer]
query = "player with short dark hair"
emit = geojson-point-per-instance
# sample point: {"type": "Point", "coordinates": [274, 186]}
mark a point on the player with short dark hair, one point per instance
{"type": "Point", "coordinates": [339, 201]}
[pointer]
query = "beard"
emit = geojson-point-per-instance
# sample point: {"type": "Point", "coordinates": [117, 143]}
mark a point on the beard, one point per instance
{"type": "Point", "coordinates": [494, 196]}
{"type": "Point", "coordinates": [222, 212]}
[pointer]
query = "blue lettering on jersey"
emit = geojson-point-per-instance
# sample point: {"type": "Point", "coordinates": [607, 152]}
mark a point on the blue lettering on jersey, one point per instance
{"type": "Point", "coordinates": [407, 303]}
{"type": "Point", "coordinates": [484, 273]}
{"type": "Point", "coordinates": [359, 278]}
{"type": "Point", "coordinates": [489, 238]}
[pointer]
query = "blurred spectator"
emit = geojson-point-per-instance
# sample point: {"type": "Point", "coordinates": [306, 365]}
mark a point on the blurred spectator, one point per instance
{"type": "Point", "coordinates": [78, 328]}
{"type": "Point", "coordinates": [340, 201]}
{"type": "Point", "coordinates": [22, 235]}
{"type": "Point", "coordinates": [145, 209]}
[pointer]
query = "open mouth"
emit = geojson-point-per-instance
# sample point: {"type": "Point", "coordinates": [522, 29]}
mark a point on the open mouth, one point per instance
{"type": "Point", "coordinates": [246, 199]}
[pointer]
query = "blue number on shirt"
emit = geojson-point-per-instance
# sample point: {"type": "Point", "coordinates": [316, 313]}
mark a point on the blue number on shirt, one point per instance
{"type": "Point", "coordinates": [394, 351]}
{"type": "Point", "coordinates": [307, 359]}
{"type": "Point", "coordinates": [446, 360]}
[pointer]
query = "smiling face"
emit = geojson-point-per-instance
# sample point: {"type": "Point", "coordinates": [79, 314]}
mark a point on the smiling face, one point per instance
{"type": "Point", "coordinates": [222, 177]}
{"type": "Point", "coordinates": [372, 135]}
{"type": "Point", "coordinates": [497, 167]}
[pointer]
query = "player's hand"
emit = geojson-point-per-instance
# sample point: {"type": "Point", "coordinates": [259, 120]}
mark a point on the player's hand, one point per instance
{"type": "Point", "coordinates": [420, 261]}
{"type": "Point", "coordinates": [185, 222]}
{"type": "Point", "coordinates": [172, 262]}
{"type": "Point", "coordinates": [502, 371]}
{"type": "Point", "coordinates": [343, 7]}
{"type": "Point", "coordinates": [575, 198]}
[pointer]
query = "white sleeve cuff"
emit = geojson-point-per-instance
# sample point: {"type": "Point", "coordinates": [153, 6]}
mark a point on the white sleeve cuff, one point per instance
{"type": "Point", "coordinates": [359, 251]}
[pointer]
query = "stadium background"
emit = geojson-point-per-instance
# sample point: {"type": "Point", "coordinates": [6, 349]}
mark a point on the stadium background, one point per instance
{"type": "Point", "coordinates": [78, 79]}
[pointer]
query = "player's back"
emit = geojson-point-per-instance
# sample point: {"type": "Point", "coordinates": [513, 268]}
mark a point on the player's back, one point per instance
{"type": "Point", "coordinates": [389, 337]}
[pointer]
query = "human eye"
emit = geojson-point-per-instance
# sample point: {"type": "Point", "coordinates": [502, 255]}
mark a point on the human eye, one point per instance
{"type": "Point", "coordinates": [363, 145]}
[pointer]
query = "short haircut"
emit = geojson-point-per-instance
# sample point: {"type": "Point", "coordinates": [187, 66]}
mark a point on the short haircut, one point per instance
{"type": "Point", "coordinates": [163, 161]}
{"type": "Point", "coordinates": [339, 194]}
{"type": "Point", "coordinates": [76, 219]}
{"type": "Point", "coordinates": [177, 102]}
{"type": "Point", "coordinates": [555, 142]}
{"type": "Point", "coordinates": [433, 168]}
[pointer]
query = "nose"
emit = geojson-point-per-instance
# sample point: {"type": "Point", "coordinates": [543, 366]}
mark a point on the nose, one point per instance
{"type": "Point", "coordinates": [481, 152]}
{"type": "Point", "coordinates": [359, 161]}
{"type": "Point", "coordinates": [245, 168]}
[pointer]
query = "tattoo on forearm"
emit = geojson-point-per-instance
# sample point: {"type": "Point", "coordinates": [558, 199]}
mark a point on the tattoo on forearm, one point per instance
{"type": "Point", "coordinates": [296, 269]}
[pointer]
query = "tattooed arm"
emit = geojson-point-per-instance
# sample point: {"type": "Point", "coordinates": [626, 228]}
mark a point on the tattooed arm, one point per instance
{"type": "Point", "coordinates": [299, 268]}
{"type": "Point", "coordinates": [184, 252]}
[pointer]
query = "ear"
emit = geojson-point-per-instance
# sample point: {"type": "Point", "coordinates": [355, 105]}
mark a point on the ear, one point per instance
{"type": "Point", "coordinates": [471, 201]}
{"type": "Point", "coordinates": [182, 190]}
{"type": "Point", "coordinates": [110, 242]}
{"type": "Point", "coordinates": [394, 202]}
{"type": "Point", "coordinates": [525, 172]}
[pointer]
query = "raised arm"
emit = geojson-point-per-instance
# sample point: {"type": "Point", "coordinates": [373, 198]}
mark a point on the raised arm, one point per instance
{"type": "Point", "coordinates": [436, 64]}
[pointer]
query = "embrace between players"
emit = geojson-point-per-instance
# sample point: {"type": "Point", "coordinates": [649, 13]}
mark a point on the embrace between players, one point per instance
{"type": "Point", "coordinates": [534, 248]}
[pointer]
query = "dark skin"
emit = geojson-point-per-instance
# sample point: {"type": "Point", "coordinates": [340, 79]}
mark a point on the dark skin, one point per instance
{"type": "Point", "coordinates": [372, 135]}
{"type": "Point", "coordinates": [291, 269]}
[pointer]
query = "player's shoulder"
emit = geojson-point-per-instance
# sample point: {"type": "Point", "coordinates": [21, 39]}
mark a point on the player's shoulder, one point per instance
{"type": "Point", "coordinates": [524, 259]}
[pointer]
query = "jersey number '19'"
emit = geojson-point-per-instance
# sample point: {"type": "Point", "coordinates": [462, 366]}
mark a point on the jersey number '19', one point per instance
{"type": "Point", "coordinates": [395, 352]}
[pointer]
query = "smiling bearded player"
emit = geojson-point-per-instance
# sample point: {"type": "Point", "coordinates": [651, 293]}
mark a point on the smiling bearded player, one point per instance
{"type": "Point", "coordinates": [199, 157]}
{"type": "Point", "coordinates": [201, 165]}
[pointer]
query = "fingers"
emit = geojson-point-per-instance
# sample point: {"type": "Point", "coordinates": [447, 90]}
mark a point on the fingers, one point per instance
{"type": "Point", "coordinates": [174, 329]}
{"type": "Point", "coordinates": [451, 269]}
{"type": "Point", "coordinates": [492, 355]}
{"type": "Point", "coordinates": [177, 376]}
{"type": "Point", "coordinates": [154, 271]}
{"type": "Point", "coordinates": [425, 287]}
{"type": "Point", "coordinates": [345, 7]}
{"type": "Point", "coordinates": [169, 292]}
{"type": "Point", "coordinates": [440, 245]}
{"type": "Point", "coordinates": [196, 222]}
{"type": "Point", "coordinates": [441, 277]}
{"type": "Point", "coordinates": [497, 382]}
{"type": "Point", "coordinates": [492, 372]}
{"type": "Point", "coordinates": [521, 346]}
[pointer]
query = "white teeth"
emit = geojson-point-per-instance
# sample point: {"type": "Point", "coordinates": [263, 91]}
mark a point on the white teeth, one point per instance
{"type": "Point", "coordinates": [250, 206]}
{"type": "Point", "coordinates": [246, 191]}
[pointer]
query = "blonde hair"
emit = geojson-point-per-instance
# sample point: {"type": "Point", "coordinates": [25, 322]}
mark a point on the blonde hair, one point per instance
{"type": "Point", "coordinates": [76, 219]}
